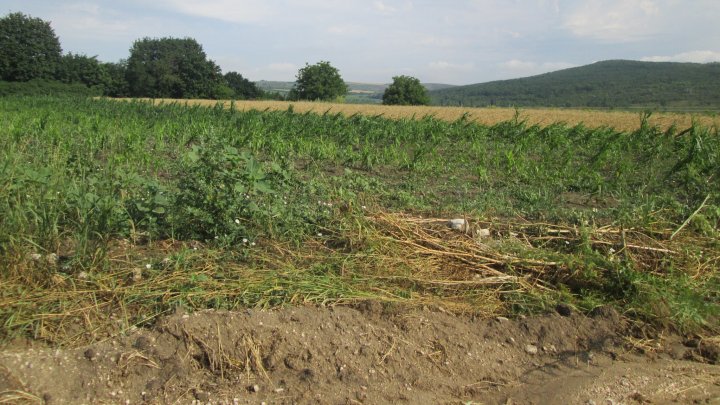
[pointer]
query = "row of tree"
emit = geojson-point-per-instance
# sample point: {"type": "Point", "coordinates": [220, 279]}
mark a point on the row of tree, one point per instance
{"type": "Point", "coordinates": [162, 68]}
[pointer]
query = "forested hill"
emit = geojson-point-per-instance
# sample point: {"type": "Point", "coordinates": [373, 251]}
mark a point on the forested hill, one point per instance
{"type": "Point", "coordinates": [614, 83]}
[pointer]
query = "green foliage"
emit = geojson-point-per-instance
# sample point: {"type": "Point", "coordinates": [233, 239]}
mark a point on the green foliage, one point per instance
{"type": "Point", "coordinates": [320, 81]}
{"type": "Point", "coordinates": [613, 84]}
{"type": "Point", "coordinates": [242, 88]}
{"type": "Point", "coordinates": [220, 191]}
{"type": "Point", "coordinates": [171, 68]}
{"type": "Point", "coordinates": [406, 90]}
{"type": "Point", "coordinates": [83, 69]}
{"type": "Point", "coordinates": [228, 195]}
{"type": "Point", "coordinates": [29, 48]}
{"type": "Point", "coordinates": [117, 84]}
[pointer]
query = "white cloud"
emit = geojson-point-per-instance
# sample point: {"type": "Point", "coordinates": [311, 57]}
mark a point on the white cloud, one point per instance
{"type": "Point", "coordinates": [616, 20]}
{"type": "Point", "coordinates": [691, 56]}
{"type": "Point", "coordinates": [282, 67]}
{"type": "Point", "coordinates": [436, 41]}
{"type": "Point", "coordinates": [83, 20]}
{"type": "Point", "coordinates": [236, 11]}
{"type": "Point", "coordinates": [383, 8]}
{"type": "Point", "coordinates": [346, 30]}
{"type": "Point", "coordinates": [517, 67]}
{"type": "Point", "coordinates": [444, 65]}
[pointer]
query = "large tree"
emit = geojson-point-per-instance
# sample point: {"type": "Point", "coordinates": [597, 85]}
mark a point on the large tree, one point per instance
{"type": "Point", "coordinates": [171, 67]}
{"type": "Point", "coordinates": [406, 90]}
{"type": "Point", "coordinates": [75, 68]}
{"type": "Point", "coordinates": [117, 86]}
{"type": "Point", "coordinates": [242, 87]}
{"type": "Point", "coordinates": [29, 48]}
{"type": "Point", "coordinates": [320, 81]}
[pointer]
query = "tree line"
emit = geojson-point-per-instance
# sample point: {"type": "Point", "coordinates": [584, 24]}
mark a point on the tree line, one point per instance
{"type": "Point", "coordinates": [161, 68]}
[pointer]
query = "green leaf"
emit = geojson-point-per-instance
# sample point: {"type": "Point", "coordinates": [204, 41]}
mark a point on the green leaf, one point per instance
{"type": "Point", "coordinates": [193, 155]}
{"type": "Point", "coordinates": [263, 187]}
{"type": "Point", "coordinates": [239, 188]}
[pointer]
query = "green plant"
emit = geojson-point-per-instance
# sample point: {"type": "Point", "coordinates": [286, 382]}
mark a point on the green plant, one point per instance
{"type": "Point", "coordinates": [222, 193]}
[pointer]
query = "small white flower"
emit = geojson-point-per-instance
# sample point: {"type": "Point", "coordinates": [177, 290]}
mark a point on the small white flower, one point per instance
{"type": "Point", "coordinates": [611, 250]}
{"type": "Point", "coordinates": [363, 207]}
{"type": "Point", "coordinates": [237, 221]}
{"type": "Point", "coordinates": [319, 233]}
{"type": "Point", "coordinates": [245, 240]}
{"type": "Point", "coordinates": [252, 244]}
{"type": "Point", "coordinates": [148, 266]}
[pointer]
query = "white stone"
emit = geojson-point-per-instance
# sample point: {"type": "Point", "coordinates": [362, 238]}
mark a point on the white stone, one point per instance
{"type": "Point", "coordinates": [483, 233]}
{"type": "Point", "coordinates": [458, 224]}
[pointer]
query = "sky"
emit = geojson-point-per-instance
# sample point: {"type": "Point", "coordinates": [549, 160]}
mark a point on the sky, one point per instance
{"type": "Point", "coordinates": [441, 41]}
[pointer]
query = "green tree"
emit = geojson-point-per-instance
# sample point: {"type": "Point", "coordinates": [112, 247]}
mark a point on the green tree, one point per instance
{"type": "Point", "coordinates": [75, 68]}
{"type": "Point", "coordinates": [242, 87]}
{"type": "Point", "coordinates": [320, 81]}
{"type": "Point", "coordinates": [29, 48]}
{"type": "Point", "coordinates": [406, 90]}
{"type": "Point", "coordinates": [172, 67]}
{"type": "Point", "coordinates": [117, 85]}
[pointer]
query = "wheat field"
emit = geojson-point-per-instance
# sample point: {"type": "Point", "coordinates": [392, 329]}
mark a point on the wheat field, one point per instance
{"type": "Point", "coordinates": [620, 120]}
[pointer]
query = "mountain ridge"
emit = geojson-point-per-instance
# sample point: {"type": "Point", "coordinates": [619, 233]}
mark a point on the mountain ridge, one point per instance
{"type": "Point", "coordinates": [610, 83]}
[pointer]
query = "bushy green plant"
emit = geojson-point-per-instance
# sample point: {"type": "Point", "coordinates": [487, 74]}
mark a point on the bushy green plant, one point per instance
{"type": "Point", "coordinates": [227, 194]}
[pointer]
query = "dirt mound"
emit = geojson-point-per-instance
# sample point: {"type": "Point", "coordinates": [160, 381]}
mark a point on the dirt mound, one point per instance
{"type": "Point", "coordinates": [370, 354]}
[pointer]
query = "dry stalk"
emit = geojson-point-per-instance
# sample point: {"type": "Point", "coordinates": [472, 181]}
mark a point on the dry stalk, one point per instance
{"type": "Point", "coordinates": [14, 396]}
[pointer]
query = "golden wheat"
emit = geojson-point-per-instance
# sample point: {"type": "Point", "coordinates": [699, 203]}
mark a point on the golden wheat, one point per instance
{"type": "Point", "coordinates": [620, 120]}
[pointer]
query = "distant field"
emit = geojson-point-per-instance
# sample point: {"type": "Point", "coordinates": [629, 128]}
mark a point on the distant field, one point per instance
{"type": "Point", "coordinates": [621, 120]}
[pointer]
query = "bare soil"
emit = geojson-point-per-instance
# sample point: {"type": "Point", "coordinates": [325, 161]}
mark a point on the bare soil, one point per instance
{"type": "Point", "coordinates": [370, 354]}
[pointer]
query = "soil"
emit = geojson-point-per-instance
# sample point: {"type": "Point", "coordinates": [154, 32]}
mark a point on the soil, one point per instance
{"type": "Point", "coordinates": [371, 354]}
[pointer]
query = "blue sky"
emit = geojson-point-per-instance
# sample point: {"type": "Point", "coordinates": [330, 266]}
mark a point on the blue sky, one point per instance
{"type": "Point", "coordinates": [450, 41]}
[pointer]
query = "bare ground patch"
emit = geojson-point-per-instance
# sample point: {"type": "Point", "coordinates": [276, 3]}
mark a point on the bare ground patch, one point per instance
{"type": "Point", "coordinates": [370, 354]}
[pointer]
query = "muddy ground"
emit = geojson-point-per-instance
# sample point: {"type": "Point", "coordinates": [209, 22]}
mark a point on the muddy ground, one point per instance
{"type": "Point", "coordinates": [367, 355]}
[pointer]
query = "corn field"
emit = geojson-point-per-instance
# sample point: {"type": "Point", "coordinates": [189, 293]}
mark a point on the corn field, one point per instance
{"type": "Point", "coordinates": [112, 213]}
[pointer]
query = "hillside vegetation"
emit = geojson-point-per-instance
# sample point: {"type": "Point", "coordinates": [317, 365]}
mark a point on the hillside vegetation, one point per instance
{"type": "Point", "coordinates": [615, 83]}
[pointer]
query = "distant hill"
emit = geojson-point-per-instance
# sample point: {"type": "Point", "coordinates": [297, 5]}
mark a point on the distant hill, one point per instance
{"type": "Point", "coordinates": [614, 83]}
{"type": "Point", "coordinates": [359, 92]}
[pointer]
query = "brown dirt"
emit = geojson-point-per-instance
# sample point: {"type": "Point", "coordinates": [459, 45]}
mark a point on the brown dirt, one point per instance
{"type": "Point", "coordinates": [370, 354]}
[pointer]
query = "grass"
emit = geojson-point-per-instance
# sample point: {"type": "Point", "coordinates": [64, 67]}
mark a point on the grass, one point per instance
{"type": "Point", "coordinates": [114, 213]}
